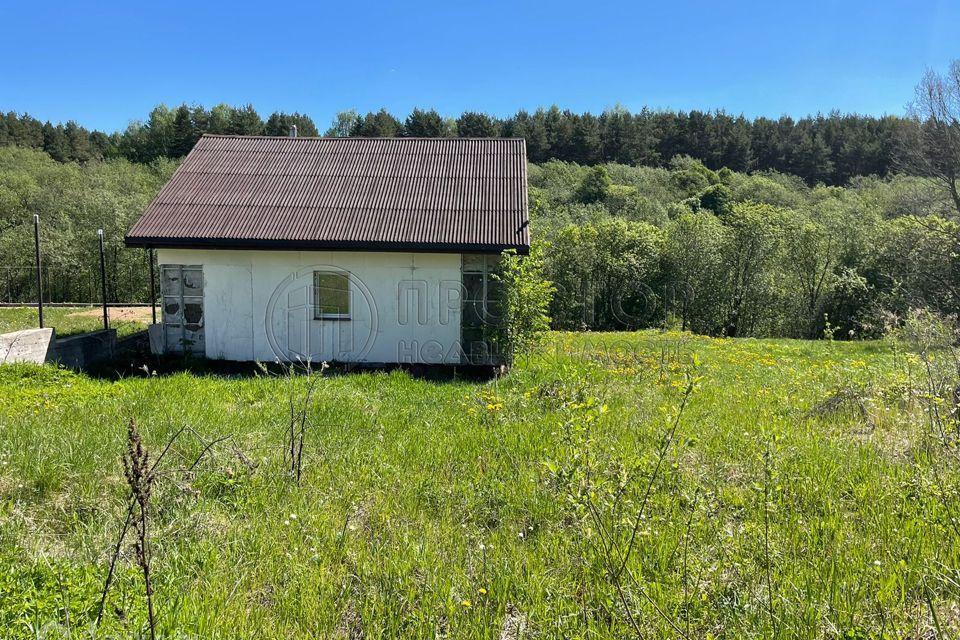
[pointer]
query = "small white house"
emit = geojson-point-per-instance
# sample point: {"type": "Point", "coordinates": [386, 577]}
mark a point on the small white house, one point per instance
{"type": "Point", "coordinates": [364, 250]}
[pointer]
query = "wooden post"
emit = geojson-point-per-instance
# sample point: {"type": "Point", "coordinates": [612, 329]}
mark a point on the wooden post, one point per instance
{"type": "Point", "coordinates": [153, 288]}
{"type": "Point", "coordinates": [36, 241]}
{"type": "Point", "coordinates": [103, 281]}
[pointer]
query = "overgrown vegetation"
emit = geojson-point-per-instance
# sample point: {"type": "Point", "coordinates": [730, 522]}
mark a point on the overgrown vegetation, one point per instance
{"type": "Point", "coordinates": [73, 201]}
{"type": "Point", "coordinates": [525, 296]}
{"type": "Point", "coordinates": [613, 485]}
{"type": "Point", "coordinates": [725, 253]}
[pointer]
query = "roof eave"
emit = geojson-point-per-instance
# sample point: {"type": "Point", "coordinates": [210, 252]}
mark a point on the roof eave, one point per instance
{"type": "Point", "coordinates": [319, 245]}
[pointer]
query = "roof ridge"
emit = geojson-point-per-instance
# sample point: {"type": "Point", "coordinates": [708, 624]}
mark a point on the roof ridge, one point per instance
{"type": "Point", "coordinates": [420, 138]}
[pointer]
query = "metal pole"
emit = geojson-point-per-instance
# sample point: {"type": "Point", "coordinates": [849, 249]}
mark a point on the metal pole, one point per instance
{"type": "Point", "coordinates": [103, 281]}
{"type": "Point", "coordinates": [153, 289]}
{"type": "Point", "coordinates": [36, 241]}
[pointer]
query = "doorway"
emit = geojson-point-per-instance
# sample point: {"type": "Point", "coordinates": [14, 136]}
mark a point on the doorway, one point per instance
{"type": "Point", "coordinates": [182, 290]}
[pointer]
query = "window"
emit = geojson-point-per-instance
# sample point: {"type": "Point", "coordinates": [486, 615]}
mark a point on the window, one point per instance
{"type": "Point", "coordinates": [480, 307]}
{"type": "Point", "coordinates": [331, 295]}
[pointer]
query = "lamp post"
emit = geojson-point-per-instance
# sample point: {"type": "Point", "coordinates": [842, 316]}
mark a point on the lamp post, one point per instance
{"type": "Point", "coordinates": [103, 281]}
{"type": "Point", "coordinates": [36, 241]}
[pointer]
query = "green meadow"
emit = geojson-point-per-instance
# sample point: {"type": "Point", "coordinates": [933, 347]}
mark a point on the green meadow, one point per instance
{"type": "Point", "coordinates": [614, 485]}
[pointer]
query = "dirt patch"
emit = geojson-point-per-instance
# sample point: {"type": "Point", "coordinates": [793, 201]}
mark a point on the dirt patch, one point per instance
{"type": "Point", "coordinates": [514, 625]}
{"type": "Point", "coordinates": [122, 314]}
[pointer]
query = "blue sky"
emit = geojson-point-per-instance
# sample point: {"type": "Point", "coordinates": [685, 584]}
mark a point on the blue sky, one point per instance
{"type": "Point", "coordinates": [104, 64]}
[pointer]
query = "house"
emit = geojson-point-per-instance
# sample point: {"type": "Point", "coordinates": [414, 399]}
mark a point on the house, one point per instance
{"type": "Point", "coordinates": [366, 250]}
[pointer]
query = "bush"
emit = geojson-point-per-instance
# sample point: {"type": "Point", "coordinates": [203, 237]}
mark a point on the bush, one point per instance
{"type": "Point", "coordinates": [594, 186]}
{"type": "Point", "coordinates": [525, 298]}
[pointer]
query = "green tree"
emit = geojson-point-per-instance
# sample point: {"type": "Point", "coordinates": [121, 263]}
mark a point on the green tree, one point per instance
{"type": "Point", "coordinates": [595, 185]}
{"type": "Point", "coordinates": [425, 124]}
{"type": "Point", "coordinates": [717, 198]}
{"type": "Point", "coordinates": [916, 263]}
{"type": "Point", "coordinates": [104, 146]}
{"type": "Point", "coordinates": [753, 267]}
{"type": "Point", "coordinates": [810, 257]}
{"type": "Point", "coordinates": [569, 254]}
{"type": "Point", "coordinates": [605, 273]}
{"type": "Point", "coordinates": [694, 287]}
{"type": "Point", "coordinates": [343, 124]}
{"type": "Point", "coordinates": [471, 124]}
{"type": "Point", "coordinates": [245, 121]}
{"type": "Point", "coordinates": [159, 133]}
{"type": "Point", "coordinates": [586, 145]}
{"type": "Point", "coordinates": [532, 130]}
{"type": "Point", "coordinates": [185, 134]}
{"type": "Point", "coordinates": [279, 124]}
{"type": "Point", "coordinates": [691, 176]}
{"type": "Point", "coordinates": [55, 142]}
{"type": "Point", "coordinates": [220, 120]}
{"type": "Point", "coordinates": [78, 143]}
{"type": "Point", "coordinates": [200, 119]}
{"type": "Point", "coordinates": [377, 125]}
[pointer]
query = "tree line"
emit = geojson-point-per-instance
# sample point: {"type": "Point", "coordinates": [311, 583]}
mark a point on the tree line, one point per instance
{"type": "Point", "coordinates": [167, 133]}
{"type": "Point", "coordinates": [830, 148]}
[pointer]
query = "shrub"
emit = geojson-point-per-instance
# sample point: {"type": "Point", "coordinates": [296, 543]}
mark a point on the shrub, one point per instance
{"type": "Point", "coordinates": [525, 296]}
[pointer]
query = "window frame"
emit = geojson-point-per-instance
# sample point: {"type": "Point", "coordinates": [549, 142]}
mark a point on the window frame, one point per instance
{"type": "Point", "coordinates": [477, 351]}
{"type": "Point", "coordinates": [317, 313]}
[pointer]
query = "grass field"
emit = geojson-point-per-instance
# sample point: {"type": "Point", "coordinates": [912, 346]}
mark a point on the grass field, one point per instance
{"type": "Point", "coordinates": [801, 494]}
{"type": "Point", "coordinates": [70, 321]}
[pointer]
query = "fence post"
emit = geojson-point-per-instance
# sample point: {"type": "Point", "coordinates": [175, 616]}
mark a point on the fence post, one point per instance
{"type": "Point", "coordinates": [36, 241]}
{"type": "Point", "coordinates": [103, 281]}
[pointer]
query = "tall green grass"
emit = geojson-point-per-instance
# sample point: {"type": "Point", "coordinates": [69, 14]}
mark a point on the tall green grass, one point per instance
{"type": "Point", "coordinates": [799, 498]}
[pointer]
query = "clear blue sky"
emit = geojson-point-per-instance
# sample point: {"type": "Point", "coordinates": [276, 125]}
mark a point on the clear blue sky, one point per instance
{"type": "Point", "coordinates": [104, 64]}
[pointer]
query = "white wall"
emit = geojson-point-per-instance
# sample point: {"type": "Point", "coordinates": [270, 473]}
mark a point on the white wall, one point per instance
{"type": "Point", "coordinates": [405, 307]}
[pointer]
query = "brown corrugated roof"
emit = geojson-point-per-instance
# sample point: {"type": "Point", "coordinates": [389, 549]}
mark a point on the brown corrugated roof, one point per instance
{"type": "Point", "coordinates": [400, 194]}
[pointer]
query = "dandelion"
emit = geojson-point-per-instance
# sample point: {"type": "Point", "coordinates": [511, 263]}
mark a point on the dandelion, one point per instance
{"type": "Point", "coordinates": [520, 535]}
{"type": "Point", "coordinates": [286, 523]}
{"type": "Point", "coordinates": [467, 604]}
{"type": "Point", "coordinates": [482, 591]}
{"type": "Point", "coordinates": [293, 516]}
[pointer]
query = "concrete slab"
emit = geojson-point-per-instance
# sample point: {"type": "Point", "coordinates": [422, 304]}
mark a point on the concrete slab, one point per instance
{"type": "Point", "coordinates": [29, 345]}
{"type": "Point", "coordinates": [81, 351]}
